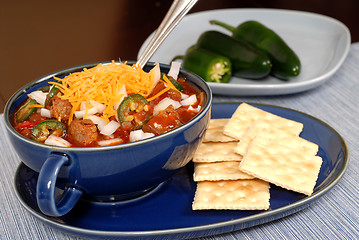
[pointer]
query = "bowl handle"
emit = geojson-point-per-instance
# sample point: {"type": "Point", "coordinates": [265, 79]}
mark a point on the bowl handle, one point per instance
{"type": "Point", "coordinates": [45, 189]}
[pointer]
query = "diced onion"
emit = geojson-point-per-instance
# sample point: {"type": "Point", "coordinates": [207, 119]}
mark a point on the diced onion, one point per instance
{"type": "Point", "coordinates": [174, 70]}
{"type": "Point", "coordinates": [139, 135]}
{"type": "Point", "coordinates": [156, 71]}
{"type": "Point", "coordinates": [81, 113]}
{"type": "Point", "coordinates": [122, 92]}
{"type": "Point", "coordinates": [100, 122]}
{"type": "Point", "coordinates": [83, 106]}
{"type": "Point", "coordinates": [164, 103]}
{"type": "Point", "coordinates": [110, 128]}
{"type": "Point", "coordinates": [184, 96]}
{"type": "Point", "coordinates": [197, 109]}
{"type": "Point", "coordinates": [38, 96]}
{"type": "Point", "coordinates": [57, 141]}
{"type": "Point", "coordinates": [189, 101]}
{"type": "Point", "coordinates": [109, 142]}
{"type": "Point", "coordinates": [100, 107]}
{"type": "Point", "coordinates": [45, 112]}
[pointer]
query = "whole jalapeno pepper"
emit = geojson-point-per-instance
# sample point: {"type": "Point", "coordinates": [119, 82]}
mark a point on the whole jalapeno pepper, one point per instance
{"type": "Point", "coordinates": [247, 62]}
{"type": "Point", "coordinates": [42, 130]}
{"type": "Point", "coordinates": [133, 109]}
{"type": "Point", "coordinates": [25, 111]}
{"type": "Point", "coordinates": [210, 66]}
{"type": "Point", "coordinates": [286, 63]}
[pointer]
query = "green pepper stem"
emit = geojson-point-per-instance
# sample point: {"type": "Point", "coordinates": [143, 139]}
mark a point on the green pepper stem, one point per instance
{"type": "Point", "coordinates": [222, 24]}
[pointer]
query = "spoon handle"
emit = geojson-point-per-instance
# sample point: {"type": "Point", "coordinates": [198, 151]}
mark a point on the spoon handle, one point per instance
{"type": "Point", "coordinates": [178, 9]}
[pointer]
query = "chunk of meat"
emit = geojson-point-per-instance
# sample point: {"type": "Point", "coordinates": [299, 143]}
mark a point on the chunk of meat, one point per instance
{"type": "Point", "coordinates": [60, 109]}
{"type": "Point", "coordinates": [165, 121]}
{"type": "Point", "coordinates": [82, 132]}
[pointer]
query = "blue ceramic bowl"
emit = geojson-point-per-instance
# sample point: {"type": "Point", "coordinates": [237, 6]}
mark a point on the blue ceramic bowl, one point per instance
{"type": "Point", "coordinates": [111, 172]}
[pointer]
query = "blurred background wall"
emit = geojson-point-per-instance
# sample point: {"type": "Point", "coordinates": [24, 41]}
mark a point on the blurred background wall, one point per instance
{"type": "Point", "coordinates": [40, 37]}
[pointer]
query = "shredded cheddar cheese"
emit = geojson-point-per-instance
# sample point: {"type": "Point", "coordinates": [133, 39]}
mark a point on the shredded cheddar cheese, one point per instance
{"type": "Point", "coordinates": [102, 83]}
{"type": "Point", "coordinates": [169, 86]}
{"type": "Point", "coordinates": [158, 94]}
{"type": "Point", "coordinates": [36, 106]}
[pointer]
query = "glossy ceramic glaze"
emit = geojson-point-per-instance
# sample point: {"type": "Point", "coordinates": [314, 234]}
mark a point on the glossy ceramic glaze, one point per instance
{"type": "Point", "coordinates": [108, 173]}
{"type": "Point", "coordinates": [166, 212]}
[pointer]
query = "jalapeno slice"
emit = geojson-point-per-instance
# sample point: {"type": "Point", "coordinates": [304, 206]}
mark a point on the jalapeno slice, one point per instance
{"type": "Point", "coordinates": [45, 88]}
{"type": "Point", "coordinates": [174, 82]}
{"type": "Point", "coordinates": [42, 130]}
{"type": "Point", "coordinates": [25, 111]}
{"type": "Point", "coordinates": [134, 109]}
{"type": "Point", "coordinates": [53, 91]}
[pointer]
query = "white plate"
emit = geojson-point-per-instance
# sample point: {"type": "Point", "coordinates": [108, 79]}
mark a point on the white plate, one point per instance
{"type": "Point", "coordinates": [322, 44]}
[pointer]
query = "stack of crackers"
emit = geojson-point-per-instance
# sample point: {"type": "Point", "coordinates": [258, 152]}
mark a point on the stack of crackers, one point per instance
{"type": "Point", "coordinates": [241, 156]}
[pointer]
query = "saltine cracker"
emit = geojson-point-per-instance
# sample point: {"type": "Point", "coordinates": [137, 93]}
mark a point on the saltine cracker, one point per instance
{"type": "Point", "coordinates": [250, 194]}
{"type": "Point", "coordinates": [246, 114]}
{"type": "Point", "coordinates": [289, 168]}
{"type": "Point", "coordinates": [216, 171]}
{"type": "Point", "coordinates": [215, 133]}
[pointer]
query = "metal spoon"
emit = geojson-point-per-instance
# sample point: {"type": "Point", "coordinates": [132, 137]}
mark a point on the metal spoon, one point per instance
{"type": "Point", "coordinates": [178, 9]}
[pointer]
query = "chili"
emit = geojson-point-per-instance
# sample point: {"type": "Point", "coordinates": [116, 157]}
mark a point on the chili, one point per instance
{"type": "Point", "coordinates": [132, 113]}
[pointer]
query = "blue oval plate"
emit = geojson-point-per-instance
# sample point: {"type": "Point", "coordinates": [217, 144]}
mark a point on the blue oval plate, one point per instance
{"type": "Point", "coordinates": [166, 211]}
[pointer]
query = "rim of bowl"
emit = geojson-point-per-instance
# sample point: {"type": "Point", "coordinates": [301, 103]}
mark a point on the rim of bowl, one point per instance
{"type": "Point", "coordinates": [199, 82]}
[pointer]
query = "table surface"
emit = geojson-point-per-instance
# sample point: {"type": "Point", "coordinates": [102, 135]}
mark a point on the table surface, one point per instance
{"type": "Point", "coordinates": [334, 216]}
